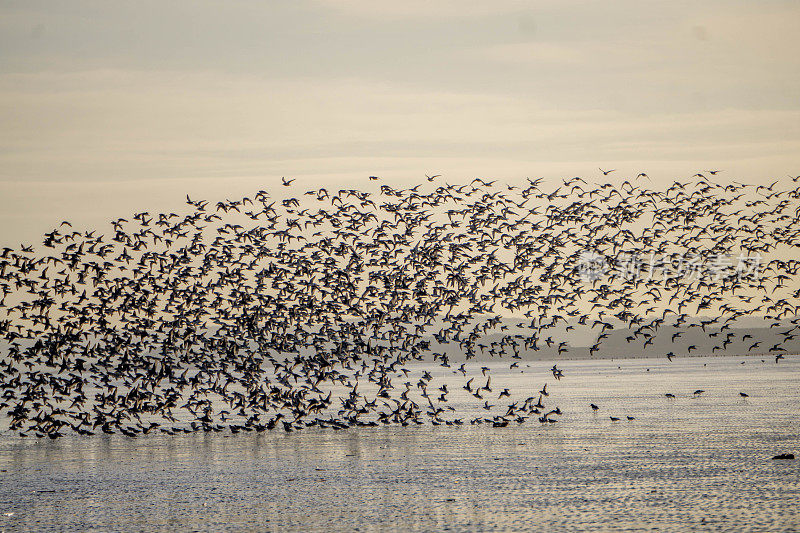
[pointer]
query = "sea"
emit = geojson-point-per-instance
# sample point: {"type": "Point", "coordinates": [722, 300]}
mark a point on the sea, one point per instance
{"type": "Point", "coordinates": [695, 462]}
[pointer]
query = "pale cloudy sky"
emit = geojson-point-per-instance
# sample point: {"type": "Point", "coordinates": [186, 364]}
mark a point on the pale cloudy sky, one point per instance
{"type": "Point", "coordinates": [107, 108]}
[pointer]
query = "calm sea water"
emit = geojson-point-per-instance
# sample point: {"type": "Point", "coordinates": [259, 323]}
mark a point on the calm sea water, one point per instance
{"type": "Point", "coordinates": [685, 464]}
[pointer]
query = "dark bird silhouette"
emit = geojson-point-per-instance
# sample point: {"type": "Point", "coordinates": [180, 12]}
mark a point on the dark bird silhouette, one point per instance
{"type": "Point", "coordinates": [331, 310]}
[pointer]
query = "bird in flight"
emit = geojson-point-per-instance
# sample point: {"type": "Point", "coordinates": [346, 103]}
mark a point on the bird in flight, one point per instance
{"type": "Point", "coordinates": [331, 310]}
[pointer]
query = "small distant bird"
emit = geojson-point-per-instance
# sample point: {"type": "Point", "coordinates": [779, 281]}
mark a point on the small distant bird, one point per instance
{"type": "Point", "coordinates": [392, 267]}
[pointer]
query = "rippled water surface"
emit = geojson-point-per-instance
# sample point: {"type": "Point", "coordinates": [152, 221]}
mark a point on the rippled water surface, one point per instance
{"type": "Point", "coordinates": [684, 464]}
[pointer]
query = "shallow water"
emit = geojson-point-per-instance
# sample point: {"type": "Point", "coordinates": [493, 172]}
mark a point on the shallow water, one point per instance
{"type": "Point", "coordinates": [684, 464]}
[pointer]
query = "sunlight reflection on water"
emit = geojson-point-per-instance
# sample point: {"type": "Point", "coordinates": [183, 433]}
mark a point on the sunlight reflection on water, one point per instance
{"type": "Point", "coordinates": [689, 463]}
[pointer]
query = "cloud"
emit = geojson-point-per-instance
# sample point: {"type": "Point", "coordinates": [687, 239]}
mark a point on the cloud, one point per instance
{"type": "Point", "coordinates": [564, 55]}
{"type": "Point", "coordinates": [421, 9]}
{"type": "Point", "coordinates": [124, 125]}
{"type": "Point", "coordinates": [186, 96]}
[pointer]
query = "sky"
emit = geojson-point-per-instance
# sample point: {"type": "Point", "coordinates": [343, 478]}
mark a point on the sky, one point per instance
{"type": "Point", "coordinates": [109, 108]}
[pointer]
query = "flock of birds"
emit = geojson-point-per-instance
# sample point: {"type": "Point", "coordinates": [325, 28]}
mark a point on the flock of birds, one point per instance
{"type": "Point", "coordinates": [304, 310]}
